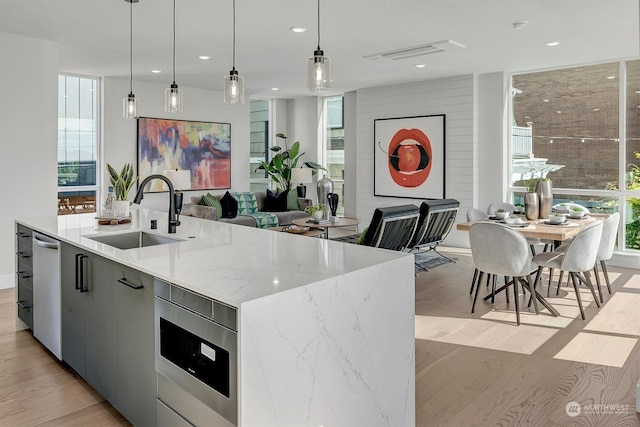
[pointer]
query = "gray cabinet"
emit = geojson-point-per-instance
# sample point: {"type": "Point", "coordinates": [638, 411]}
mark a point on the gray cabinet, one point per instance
{"type": "Point", "coordinates": [135, 371]}
{"type": "Point", "coordinates": [24, 274]}
{"type": "Point", "coordinates": [108, 331]}
{"type": "Point", "coordinates": [87, 317]}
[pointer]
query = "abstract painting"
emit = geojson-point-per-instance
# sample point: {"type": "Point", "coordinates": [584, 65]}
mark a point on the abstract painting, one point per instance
{"type": "Point", "coordinates": [409, 157]}
{"type": "Point", "coordinates": [203, 148]}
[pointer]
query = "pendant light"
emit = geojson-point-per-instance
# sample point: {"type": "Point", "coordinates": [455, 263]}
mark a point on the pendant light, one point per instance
{"type": "Point", "coordinates": [233, 83]}
{"type": "Point", "coordinates": [129, 104]}
{"type": "Point", "coordinates": [173, 95]}
{"type": "Point", "coordinates": [318, 67]}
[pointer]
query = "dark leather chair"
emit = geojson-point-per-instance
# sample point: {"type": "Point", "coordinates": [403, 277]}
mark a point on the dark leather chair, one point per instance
{"type": "Point", "coordinates": [392, 227]}
{"type": "Point", "coordinates": [436, 220]}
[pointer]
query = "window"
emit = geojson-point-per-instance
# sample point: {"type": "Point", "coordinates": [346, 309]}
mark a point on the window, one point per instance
{"type": "Point", "coordinates": [77, 144]}
{"type": "Point", "coordinates": [333, 145]}
{"type": "Point", "coordinates": [569, 125]}
{"type": "Point", "coordinates": [259, 151]}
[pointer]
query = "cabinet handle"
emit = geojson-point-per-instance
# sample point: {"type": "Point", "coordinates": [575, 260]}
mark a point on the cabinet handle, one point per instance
{"type": "Point", "coordinates": [82, 287]}
{"type": "Point", "coordinates": [78, 271]}
{"type": "Point", "coordinates": [22, 306]}
{"type": "Point", "coordinates": [124, 281]}
{"type": "Point", "coordinates": [23, 255]}
{"type": "Point", "coordinates": [23, 234]}
{"type": "Point", "coordinates": [23, 275]}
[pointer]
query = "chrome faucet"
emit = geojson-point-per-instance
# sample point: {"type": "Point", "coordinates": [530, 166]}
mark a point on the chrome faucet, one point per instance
{"type": "Point", "coordinates": [175, 200]}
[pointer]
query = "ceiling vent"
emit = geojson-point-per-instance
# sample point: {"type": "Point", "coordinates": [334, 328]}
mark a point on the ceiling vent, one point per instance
{"type": "Point", "coordinates": [412, 52]}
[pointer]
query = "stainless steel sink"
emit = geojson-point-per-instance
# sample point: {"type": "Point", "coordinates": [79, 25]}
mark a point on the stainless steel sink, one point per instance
{"type": "Point", "coordinates": [135, 239]}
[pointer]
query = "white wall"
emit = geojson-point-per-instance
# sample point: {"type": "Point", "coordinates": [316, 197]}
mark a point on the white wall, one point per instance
{"type": "Point", "coordinates": [28, 119]}
{"type": "Point", "coordinates": [119, 134]}
{"type": "Point", "coordinates": [454, 97]}
{"type": "Point", "coordinates": [350, 138]}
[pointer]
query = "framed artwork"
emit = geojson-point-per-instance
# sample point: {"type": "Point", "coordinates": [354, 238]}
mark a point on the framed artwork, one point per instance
{"type": "Point", "coordinates": [409, 157]}
{"type": "Point", "coordinates": [202, 148]}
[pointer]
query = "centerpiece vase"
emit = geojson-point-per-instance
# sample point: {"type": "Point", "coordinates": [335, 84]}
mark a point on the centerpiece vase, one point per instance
{"type": "Point", "coordinates": [545, 198]}
{"type": "Point", "coordinates": [531, 207]}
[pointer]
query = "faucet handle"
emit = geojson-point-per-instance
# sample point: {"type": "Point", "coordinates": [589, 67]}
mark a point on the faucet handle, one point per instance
{"type": "Point", "coordinates": [178, 197]}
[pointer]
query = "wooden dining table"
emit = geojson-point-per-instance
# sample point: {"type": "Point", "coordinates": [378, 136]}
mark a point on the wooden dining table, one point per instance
{"type": "Point", "coordinates": [541, 229]}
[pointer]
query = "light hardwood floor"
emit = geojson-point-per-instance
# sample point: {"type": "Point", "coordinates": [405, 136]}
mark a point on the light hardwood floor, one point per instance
{"type": "Point", "coordinates": [471, 370]}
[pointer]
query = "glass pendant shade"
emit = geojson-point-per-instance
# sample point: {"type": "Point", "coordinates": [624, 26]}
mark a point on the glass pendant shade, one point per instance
{"type": "Point", "coordinates": [318, 72]}
{"type": "Point", "coordinates": [233, 88]}
{"type": "Point", "coordinates": [130, 107]}
{"type": "Point", "coordinates": [173, 99]}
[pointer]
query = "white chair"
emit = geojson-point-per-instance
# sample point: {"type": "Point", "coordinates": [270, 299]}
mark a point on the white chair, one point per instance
{"type": "Point", "coordinates": [605, 250]}
{"type": "Point", "coordinates": [495, 206]}
{"type": "Point", "coordinates": [570, 206]}
{"type": "Point", "coordinates": [501, 251]}
{"type": "Point", "coordinates": [474, 214]}
{"type": "Point", "coordinates": [578, 256]}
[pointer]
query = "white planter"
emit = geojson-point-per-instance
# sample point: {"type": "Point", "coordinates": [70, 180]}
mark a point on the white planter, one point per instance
{"type": "Point", "coordinates": [121, 208]}
{"type": "Point", "coordinates": [318, 215]}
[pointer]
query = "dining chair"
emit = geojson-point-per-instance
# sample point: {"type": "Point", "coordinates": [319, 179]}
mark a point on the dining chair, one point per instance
{"type": "Point", "coordinates": [605, 249]}
{"type": "Point", "coordinates": [474, 214]}
{"type": "Point", "coordinates": [577, 258]}
{"type": "Point", "coordinates": [500, 250]}
{"type": "Point", "coordinates": [495, 206]}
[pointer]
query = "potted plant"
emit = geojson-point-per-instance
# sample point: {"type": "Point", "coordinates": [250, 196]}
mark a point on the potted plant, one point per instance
{"type": "Point", "coordinates": [316, 211]}
{"type": "Point", "coordinates": [121, 183]}
{"type": "Point", "coordinates": [279, 167]}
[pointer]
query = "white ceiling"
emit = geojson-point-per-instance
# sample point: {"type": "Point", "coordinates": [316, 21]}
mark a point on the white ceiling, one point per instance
{"type": "Point", "coordinates": [94, 37]}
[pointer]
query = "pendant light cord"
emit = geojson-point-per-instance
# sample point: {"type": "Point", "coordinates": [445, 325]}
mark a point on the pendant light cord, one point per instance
{"type": "Point", "coordinates": [233, 57]}
{"type": "Point", "coordinates": [131, 47]}
{"type": "Point", "coordinates": [174, 41]}
{"type": "Point", "coordinates": [318, 24]}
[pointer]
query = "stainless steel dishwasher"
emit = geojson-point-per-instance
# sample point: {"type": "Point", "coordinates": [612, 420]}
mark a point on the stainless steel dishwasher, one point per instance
{"type": "Point", "coordinates": [46, 293]}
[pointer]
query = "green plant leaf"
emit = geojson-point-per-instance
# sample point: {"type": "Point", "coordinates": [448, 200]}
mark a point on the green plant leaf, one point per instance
{"type": "Point", "coordinates": [275, 148]}
{"type": "Point", "coordinates": [295, 148]}
{"type": "Point", "coordinates": [281, 135]}
{"type": "Point", "coordinates": [314, 165]}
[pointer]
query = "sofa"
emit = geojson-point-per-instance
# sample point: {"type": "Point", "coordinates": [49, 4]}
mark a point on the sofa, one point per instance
{"type": "Point", "coordinates": [198, 210]}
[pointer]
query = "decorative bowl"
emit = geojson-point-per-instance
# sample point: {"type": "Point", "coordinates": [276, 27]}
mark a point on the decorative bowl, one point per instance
{"type": "Point", "coordinates": [513, 220]}
{"type": "Point", "coordinates": [576, 214]}
{"type": "Point", "coordinates": [556, 219]}
{"type": "Point", "coordinates": [502, 215]}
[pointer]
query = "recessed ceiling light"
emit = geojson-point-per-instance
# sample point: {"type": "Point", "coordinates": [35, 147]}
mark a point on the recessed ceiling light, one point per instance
{"type": "Point", "coordinates": [559, 112]}
{"type": "Point", "coordinates": [204, 57]}
{"type": "Point", "coordinates": [545, 100]}
{"type": "Point", "coordinates": [596, 109]}
{"type": "Point", "coordinates": [551, 44]}
{"type": "Point", "coordinates": [420, 65]}
{"type": "Point", "coordinates": [275, 88]}
{"type": "Point", "coordinates": [156, 71]}
{"type": "Point", "coordinates": [298, 29]}
{"type": "Point", "coordinates": [611, 77]}
{"type": "Point", "coordinates": [637, 91]}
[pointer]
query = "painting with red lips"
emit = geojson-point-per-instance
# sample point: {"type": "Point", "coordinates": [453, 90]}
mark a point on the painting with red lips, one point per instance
{"type": "Point", "coordinates": [409, 159]}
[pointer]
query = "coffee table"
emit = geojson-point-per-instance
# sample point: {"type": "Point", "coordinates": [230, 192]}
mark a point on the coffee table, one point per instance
{"type": "Point", "coordinates": [340, 222]}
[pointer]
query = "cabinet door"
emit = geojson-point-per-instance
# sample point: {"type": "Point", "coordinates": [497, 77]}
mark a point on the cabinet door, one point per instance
{"type": "Point", "coordinates": [135, 346]}
{"type": "Point", "coordinates": [99, 325]}
{"type": "Point", "coordinates": [73, 311]}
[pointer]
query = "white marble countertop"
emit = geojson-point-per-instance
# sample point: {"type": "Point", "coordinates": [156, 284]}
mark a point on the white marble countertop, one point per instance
{"type": "Point", "coordinates": [227, 262]}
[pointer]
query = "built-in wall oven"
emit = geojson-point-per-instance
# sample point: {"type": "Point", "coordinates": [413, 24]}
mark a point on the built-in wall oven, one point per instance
{"type": "Point", "coordinates": [196, 357]}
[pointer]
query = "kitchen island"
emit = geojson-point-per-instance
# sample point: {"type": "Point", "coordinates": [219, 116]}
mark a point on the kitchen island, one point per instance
{"type": "Point", "coordinates": [325, 330]}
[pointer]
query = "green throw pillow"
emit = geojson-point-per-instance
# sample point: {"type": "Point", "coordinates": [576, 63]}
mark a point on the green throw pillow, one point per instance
{"type": "Point", "coordinates": [292, 200]}
{"type": "Point", "coordinates": [247, 203]}
{"type": "Point", "coordinates": [212, 201]}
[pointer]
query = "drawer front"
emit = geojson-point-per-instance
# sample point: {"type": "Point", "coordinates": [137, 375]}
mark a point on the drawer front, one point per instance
{"type": "Point", "coordinates": [24, 265]}
{"type": "Point", "coordinates": [24, 253]}
{"type": "Point", "coordinates": [24, 235]}
{"type": "Point", "coordinates": [25, 305]}
{"type": "Point", "coordinates": [25, 278]}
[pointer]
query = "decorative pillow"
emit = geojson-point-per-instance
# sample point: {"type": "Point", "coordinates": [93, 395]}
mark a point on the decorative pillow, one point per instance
{"type": "Point", "coordinates": [292, 200]}
{"type": "Point", "coordinates": [247, 203]}
{"type": "Point", "coordinates": [212, 201]}
{"type": "Point", "coordinates": [275, 203]}
{"type": "Point", "coordinates": [229, 206]}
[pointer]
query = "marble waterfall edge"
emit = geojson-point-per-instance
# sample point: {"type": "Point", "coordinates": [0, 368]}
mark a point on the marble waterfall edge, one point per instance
{"type": "Point", "coordinates": [339, 353]}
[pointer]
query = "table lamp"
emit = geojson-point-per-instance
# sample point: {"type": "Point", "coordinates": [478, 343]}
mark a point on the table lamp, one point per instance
{"type": "Point", "coordinates": [301, 176]}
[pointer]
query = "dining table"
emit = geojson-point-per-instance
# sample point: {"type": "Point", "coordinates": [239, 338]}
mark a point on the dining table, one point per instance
{"type": "Point", "coordinates": [542, 229]}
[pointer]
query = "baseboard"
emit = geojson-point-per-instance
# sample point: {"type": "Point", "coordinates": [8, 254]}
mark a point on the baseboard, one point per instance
{"type": "Point", "coordinates": [7, 281]}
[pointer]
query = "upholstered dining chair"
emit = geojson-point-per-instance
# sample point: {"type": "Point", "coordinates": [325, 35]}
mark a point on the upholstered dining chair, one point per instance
{"type": "Point", "coordinates": [474, 214]}
{"type": "Point", "coordinates": [498, 249]}
{"type": "Point", "coordinates": [577, 258]}
{"type": "Point", "coordinates": [494, 206]}
{"type": "Point", "coordinates": [605, 249]}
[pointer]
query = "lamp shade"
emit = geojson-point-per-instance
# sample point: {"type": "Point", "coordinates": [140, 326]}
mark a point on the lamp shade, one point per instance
{"type": "Point", "coordinates": [301, 175]}
{"type": "Point", "coordinates": [181, 179]}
